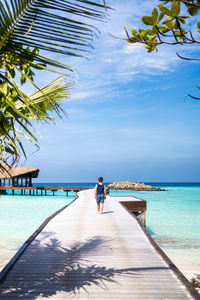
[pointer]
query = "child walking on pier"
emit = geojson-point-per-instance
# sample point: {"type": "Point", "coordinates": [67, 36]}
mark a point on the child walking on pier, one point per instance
{"type": "Point", "coordinates": [100, 194]}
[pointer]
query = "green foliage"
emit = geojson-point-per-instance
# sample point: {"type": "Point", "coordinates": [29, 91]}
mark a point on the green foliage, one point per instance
{"type": "Point", "coordinates": [18, 110]}
{"type": "Point", "coordinates": [167, 25]}
{"type": "Point", "coordinates": [26, 28]}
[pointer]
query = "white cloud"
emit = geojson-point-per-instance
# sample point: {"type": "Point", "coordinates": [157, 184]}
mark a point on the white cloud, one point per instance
{"type": "Point", "coordinates": [90, 89]}
{"type": "Point", "coordinates": [114, 61]}
{"type": "Point", "coordinates": [83, 95]}
{"type": "Point", "coordinates": [133, 48]}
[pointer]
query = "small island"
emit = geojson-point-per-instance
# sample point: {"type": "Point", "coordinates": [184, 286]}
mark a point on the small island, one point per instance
{"type": "Point", "coordinates": [128, 185]}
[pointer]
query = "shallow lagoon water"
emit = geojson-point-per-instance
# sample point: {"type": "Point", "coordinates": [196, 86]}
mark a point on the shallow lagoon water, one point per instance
{"type": "Point", "coordinates": [173, 220]}
{"type": "Point", "coordinates": [20, 216]}
{"type": "Point", "coordinates": [172, 214]}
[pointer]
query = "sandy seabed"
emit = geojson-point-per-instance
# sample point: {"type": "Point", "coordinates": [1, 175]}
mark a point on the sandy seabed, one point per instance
{"type": "Point", "coordinates": [187, 260]}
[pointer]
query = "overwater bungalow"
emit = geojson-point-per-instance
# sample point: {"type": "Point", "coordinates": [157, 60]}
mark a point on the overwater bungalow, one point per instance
{"type": "Point", "coordinates": [17, 176]}
{"type": "Point", "coordinates": [19, 179]}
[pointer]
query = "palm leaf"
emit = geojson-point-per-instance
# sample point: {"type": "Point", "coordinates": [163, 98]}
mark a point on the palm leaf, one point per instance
{"type": "Point", "coordinates": [49, 98]}
{"type": "Point", "coordinates": [50, 25]}
{"type": "Point", "coordinates": [42, 102]}
{"type": "Point", "coordinates": [55, 25]}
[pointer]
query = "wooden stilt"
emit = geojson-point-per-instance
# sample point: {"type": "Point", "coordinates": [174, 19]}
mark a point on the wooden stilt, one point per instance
{"type": "Point", "coordinates": [39, 191]}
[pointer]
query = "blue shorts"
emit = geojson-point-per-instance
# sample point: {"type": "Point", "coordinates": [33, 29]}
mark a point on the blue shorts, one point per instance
{"type": "Point", "coordinates": [100, 198]}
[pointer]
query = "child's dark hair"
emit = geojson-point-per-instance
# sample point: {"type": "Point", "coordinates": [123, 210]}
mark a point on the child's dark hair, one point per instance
{"type": "Point", "coordinates": [100, 179]}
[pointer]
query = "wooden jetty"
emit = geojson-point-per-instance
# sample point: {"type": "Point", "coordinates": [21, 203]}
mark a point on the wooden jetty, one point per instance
{"type": "Point", "coordinates": [80, 254]}
{"type": "Point", "coordinates": [40, 190]}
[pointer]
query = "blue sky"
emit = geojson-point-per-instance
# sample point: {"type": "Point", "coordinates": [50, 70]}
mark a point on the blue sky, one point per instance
{"type": "Point", "coordinates": [129, 116]}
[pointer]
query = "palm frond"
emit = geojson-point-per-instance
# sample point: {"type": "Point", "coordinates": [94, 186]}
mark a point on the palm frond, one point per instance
{"type": "Point", "coordinates": [27, 26]}
{"type": "Point", "coordinates": [49, 97]}
{"type": "Point", "coordinates": [20, 118]}
{"type": "Point", "coordinates": [55, 25]}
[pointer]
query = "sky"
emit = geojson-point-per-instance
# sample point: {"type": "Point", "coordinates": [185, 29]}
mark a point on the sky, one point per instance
{"type": "Point", "coordinates": [129, 115]}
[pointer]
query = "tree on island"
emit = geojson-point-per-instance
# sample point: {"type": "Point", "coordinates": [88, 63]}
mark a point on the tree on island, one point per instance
{"type": "Point", "coordinates": [173, 22]}
{"type": "Point", "coordinates": [28, 27]}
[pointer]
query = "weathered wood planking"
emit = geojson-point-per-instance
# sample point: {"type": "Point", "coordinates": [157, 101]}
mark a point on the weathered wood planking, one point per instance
{"type": "Point", "coordinates": [83, 255]}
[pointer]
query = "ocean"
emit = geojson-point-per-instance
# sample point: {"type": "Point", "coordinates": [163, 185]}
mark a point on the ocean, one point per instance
{"type": "Point", "coordinates": [173, 219]}
{"type": "Point", "coordinates": [20, 216]}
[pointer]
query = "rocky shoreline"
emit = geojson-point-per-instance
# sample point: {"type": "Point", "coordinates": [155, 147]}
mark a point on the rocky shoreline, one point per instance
{"type": "Point", "coordinates": [128, 185]}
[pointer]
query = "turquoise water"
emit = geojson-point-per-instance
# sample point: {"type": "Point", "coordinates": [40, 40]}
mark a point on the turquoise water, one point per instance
{"type": "Point", "coordinates": [173, 214]}
{"type": "Point", "coordinates": [173, 220]}
{"type": "Point", "coordinates": [20, 216]}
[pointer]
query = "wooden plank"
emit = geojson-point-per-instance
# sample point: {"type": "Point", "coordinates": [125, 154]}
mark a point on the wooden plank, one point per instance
{"type": "Point", "coordinates": [99, 296]}
{"type": "Point", "coordinates": [80, 254]}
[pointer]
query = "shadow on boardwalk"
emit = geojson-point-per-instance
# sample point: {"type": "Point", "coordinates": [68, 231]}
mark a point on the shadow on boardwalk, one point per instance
{"type": "Point", "coordinates": [47, 269]}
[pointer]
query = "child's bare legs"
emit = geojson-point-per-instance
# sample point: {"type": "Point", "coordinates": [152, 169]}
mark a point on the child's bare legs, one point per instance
{"type": "Point", "coordinates": [101, 208]}
{"type": "Point", "coordinates": [98, 207]}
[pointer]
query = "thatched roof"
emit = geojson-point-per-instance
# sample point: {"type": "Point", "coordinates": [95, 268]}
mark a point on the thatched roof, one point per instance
{"type": "Point", "coordinates": [18, 171]}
